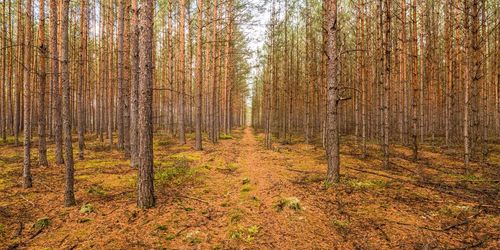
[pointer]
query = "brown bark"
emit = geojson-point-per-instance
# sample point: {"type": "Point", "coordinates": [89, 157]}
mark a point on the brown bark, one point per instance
{"type": "Point", "coordinates": [27, 179]}
{"type": "Point", "coordinates": [42, 145]}
{"type": "Point", "coordinates": [145, 195]}
{"type": "Point", "coordinates": [69, 196]}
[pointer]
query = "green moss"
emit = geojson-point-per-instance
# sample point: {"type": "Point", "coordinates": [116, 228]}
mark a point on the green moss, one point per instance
{"type": "Point", "coordinates": [96, 190]}
{"type": "Point", "coordinates": [226, 137]}
{"type": "Point", "coordinates": [291, 202]}
{"type": "Point", "coordinates": [40, 224]}
{"type": "Point", "coordinates": [342, 226]}
{"type": "Point", "coordinates": [87, 209]}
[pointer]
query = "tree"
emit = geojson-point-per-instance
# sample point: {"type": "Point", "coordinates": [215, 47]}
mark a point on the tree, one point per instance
{"type": "Point", "coordinates": [69, 196]}
{"type": "Point", "coordinates": [42, 145]}
{"type": "Point", "coordinates": [199, 80]}
{"type": "Point", "coordinates": [182, 73]}
{"type": "Point", "coordinates": [27, 179]}
{"type": "Point", "coordinates": [332, 135]}
{"type": "Point", "coordinates": [134, 85]}
{"type": "Point", "coordinates": [145, 196]}
{"type": "Point", "coordinates": [82, 80]}
{"type": "Point", "coordinates": [56, 96]}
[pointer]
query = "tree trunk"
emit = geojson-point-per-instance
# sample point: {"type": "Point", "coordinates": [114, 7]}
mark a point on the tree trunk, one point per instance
{"type": "Point", "coordinates": [145, 195]}
{"type": "Point", "coordinates": [56, 94]}
{"type": "Point", "coordinates": [332, 135]}
{"type": "Point", "coordinates": [134, 85]}
{"type": "Point", "coordinates": [27, 179]}
{"type": "Point", "coordinates": [82, 79]}
{"type": "Point", "coordinates": [199, 80]}
{"type": "Point", "coordinates": [42, 145]}
{"type": "Point", "coordinates": [69, 196]}
{"type": "Point", "coordinates": [182, 74]}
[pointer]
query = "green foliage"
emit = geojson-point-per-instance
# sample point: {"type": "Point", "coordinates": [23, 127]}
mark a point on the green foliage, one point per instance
{"type": "Point", "coordinates": [87, 209]}
{"type": "Point", "coordinates": [179, 172]}
{"type": "Point", "coordinates": [246, 234]}
{"type": "Point", "coordinates": [340, 225]}
{"type": "Point", "coordinates": [96, 190]}
{"type": "Point", "coordinates": [170, 237]}
{"type": "Point", "coordinates": [245, 181]}
{"type": "Point", "coordinates": [291, 202]}
{"type": "Point", "coordinates": [40, 224]}
{"type": "Point", "coordinates": [226, 137]}
{"type": "Point", "coordinates": [161, 227]}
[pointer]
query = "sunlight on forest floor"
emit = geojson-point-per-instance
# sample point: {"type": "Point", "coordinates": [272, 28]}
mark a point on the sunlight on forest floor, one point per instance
{"type": "Point", "coordinates": [238, 195]}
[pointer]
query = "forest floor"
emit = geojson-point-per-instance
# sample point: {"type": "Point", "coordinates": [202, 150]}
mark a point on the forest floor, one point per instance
{"type": "Point", "coordinates": [238, 195]}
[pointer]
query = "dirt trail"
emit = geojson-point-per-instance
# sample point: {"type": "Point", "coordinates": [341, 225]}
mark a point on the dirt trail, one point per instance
{"type": "Point", "coordinates": [269, 182]}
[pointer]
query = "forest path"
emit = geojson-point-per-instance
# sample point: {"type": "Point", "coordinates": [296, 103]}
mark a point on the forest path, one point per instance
{"type": "Point", "coordinates": [264, 197]}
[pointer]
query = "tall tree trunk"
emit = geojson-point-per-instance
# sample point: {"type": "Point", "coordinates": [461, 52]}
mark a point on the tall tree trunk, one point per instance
{"type": "Point", "coordinates": [120, 73]}
{"type": "Point", "coordinates": [82, 79]}
{"type": "Point", "coordinates": [414, 80]}
{"type": "Point", "coordinates": [134, 85]}
{"type": "Point", "coordinates": [42, 145]}
{"type": "Point", "coordinates": [332, 135]}
{"type": "Point", "coordinates": [387, 80]}
{"type": "Point", "coordinates": [69, 196]}
{"type": "Point", "coordinates": [199, 80]}
{"type": "Point", "coordinates": [182, 74]}
{"type": "Point", "coordinates": [56, 94]}
{"type": "Point", "coordinates": [27, 179]}
{"type": "Point", "coordinates": [145, 195]}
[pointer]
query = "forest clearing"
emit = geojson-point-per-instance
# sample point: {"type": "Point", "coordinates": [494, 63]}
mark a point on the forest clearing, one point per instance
{"type": "Point", "coordinates": [249, 124]}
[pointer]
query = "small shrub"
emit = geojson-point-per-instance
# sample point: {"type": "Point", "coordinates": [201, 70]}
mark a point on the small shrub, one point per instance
{"type": "Point", "coordinates": [161, 227]}
{"type": "Point", "coordinates": [40, 224]}
{"type": "Point", "coordinates": [87, 209]}
{"type": "Point", "coordinates": [340, 225]}
{"type": "Point", "coordinates": [291, 202]}
{"type": "Point", "coordinates": [245, 181]}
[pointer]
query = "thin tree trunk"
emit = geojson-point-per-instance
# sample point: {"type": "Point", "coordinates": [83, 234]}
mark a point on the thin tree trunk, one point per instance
{"type": "Point", "coordinates": [134, 85]}
{"type": "Point", "coordinates": [56, 94]}
{"type": "Point", "coordinates": [182, 74]}
{"type": "Point", "coordinates": [82, 79]}
{"type": "Point", "coordinates": [42, 145]}
{"type": "Point", "coordinates": [27, 179]}
{"type": "Point", "coordinates": [199, 80]}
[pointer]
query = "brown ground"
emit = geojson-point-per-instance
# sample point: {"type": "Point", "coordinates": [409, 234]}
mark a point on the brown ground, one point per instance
{"type": "Point", "coordinates": [237, 195]}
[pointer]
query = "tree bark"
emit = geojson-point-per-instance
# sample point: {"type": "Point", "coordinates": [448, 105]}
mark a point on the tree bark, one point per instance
{"type": "Point", "coordinates": [42, 145]}
{"type": "Point", "coordinates": [69, 196]}
{"type": "Point", "coordinates": [332, 136]}
{"type": "Point", "coordinates": [27, 179]}
{"type": "Point", "coordinates": [145, 196]}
